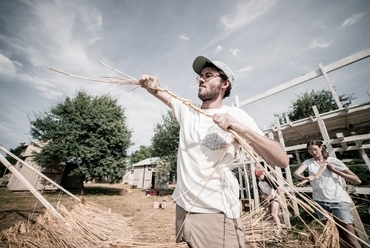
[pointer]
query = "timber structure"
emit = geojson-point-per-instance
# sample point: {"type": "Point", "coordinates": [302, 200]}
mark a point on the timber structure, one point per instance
{"type": "Point", "coordinates": [344, 129]}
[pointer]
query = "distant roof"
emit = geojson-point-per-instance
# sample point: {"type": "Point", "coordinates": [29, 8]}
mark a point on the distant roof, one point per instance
{"type": "Point", "coordinates": [28, 148]}
{"type": "Point", "coordinates": [147, 161]}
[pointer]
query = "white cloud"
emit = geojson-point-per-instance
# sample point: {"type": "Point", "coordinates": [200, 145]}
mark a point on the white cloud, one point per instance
{"type": "Point", "coordinates": [352, 20]}
{"type": "Point", "coordinates": [244, 14]}
{"type": "Point", "coordinates": [234, 51]}
{"type": "Point", "coordinates": [7, 69]}
{"type": "Point", "coordinates": [245, 69]}
{"type": "Point", "coordinates": [218, 49]}
{"type": "Point", "coordinates": [183, 37]}
{"type": "Point", "coordinates": [247, 12]}
{"type": "Point", "coordinates": [320, 43]}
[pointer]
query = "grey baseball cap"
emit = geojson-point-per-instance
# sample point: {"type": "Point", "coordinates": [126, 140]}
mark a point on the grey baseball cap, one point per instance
{"type": "Point", "coordinates": [200, 61]}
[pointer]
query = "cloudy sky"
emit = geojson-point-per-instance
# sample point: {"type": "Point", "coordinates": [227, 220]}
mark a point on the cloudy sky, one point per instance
{"type": "Point", "coordinates": [265, 42]}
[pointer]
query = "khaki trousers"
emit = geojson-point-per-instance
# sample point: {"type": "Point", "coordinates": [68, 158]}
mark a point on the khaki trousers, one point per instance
{"type": "Point", "coordinates": [208, 230]}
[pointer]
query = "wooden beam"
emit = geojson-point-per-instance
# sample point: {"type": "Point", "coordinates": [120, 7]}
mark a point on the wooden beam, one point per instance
{"type": "Point", "coordinates": [359, 190]}
{"type": "Point", "coordinates": [340, 138]}
{"type": "Point", "coordinates": [332, 89]}
{"type": "Point", "coordinates": [351, 138]}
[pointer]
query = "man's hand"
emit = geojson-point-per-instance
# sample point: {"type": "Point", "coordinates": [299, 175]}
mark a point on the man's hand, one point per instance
{"type": "Point", "coordinates": [149, 83]}
{"type": "Point", "coordinates": [225, 121]}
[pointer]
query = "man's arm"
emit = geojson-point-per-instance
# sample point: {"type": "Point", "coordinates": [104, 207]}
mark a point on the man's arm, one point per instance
{"type": "Point", "coordinates": [270, 150]}
{"type": "Point", "coordinates": [151, 84]}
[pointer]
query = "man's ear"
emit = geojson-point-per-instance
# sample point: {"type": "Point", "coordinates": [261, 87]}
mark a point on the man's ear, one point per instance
{"type": "Point", "coordinates": [226, 83]}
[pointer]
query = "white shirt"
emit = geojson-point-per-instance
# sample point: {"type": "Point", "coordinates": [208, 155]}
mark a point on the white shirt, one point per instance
{"type": "Point", "coordinates": [328, 187]}
{"type": "Point", "coordinates": [204, 183]}
{"type": "Point", "coordinates": [266, 188]}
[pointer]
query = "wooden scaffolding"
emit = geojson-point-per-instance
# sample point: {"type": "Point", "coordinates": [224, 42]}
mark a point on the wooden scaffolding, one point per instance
{"type": "Point", "coordinates": [344, 129]}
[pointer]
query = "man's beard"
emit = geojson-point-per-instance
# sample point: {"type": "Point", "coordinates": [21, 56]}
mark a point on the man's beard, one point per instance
{"type": "Point", "coordinates": [209, 94]}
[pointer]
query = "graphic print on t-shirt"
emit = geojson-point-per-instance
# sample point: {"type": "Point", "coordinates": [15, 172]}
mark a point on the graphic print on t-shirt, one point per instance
{"type": "Point", "coordinates": [216, 138]}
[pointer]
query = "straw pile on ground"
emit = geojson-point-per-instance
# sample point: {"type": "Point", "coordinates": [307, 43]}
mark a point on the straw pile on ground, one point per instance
{"type": "Point", "coordinates": [260, 232]}
{"type": "Point", "coordinates": [86, 225]}
{"type": "Point", "coordinates": [89, 225]}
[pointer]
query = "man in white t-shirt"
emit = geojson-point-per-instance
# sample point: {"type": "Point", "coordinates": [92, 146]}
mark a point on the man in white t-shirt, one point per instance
{"type": "Point", "coordinates": [207, 192]}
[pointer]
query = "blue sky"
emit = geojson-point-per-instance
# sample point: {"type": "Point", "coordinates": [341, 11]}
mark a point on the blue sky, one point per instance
{"type": "Point", "coordinates": [266, 43]}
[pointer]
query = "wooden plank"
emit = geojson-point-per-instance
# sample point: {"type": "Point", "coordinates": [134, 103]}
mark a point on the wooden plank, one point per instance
{"type": "Point", "coordinates": [340, 138]}
{"type": "Point", "coordinates": [359, 190]}
{"type": "Point", "coordinates": [358, 224]}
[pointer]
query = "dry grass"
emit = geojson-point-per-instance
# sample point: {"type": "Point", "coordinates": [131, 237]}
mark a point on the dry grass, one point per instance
{"type": "Point", "coordinates": [132, 205]}
{"type": "Point", "coordinates": [123, 217]}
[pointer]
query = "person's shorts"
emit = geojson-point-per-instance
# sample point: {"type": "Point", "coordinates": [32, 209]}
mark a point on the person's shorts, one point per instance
{"type": "Point", "coordinates": [341, 210]}
{"type": "Point", "coordinates": [208, 230]}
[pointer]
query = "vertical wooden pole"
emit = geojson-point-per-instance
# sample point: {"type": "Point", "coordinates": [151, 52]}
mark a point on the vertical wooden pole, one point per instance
{"type": "Point", "coordinates": [288, 177]}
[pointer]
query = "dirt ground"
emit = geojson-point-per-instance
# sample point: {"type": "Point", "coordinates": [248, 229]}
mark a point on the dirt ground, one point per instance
{"type": "Point", "coordinates": [154, 225]}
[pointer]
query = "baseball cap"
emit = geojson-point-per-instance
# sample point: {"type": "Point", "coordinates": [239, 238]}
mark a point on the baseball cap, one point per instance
{"type": "Point", "coordinates": [258, 173]}
{"type": "Point", "coordinates": [200, 61]}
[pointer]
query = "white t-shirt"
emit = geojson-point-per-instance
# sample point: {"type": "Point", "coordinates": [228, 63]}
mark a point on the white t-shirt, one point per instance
{"type": "Point", "coordinates": [328, 187]}
{"type": "Point", "coordinates": [201, 187]}
{"type": "Point", "coordinates": [266, 188]}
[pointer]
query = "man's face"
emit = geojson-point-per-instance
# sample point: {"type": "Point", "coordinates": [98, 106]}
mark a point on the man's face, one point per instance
{"type": "Point", "coordinates": [210, 84]}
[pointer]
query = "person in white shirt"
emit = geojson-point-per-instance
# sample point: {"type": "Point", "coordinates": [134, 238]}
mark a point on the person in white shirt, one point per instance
{"type": "Point", "coordinates": [207, 192]}
{"type": "Point", "coordinates": [327, 188]}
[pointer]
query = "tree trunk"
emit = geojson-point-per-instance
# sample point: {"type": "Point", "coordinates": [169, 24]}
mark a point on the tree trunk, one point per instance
{"type": "Point", "coordinates": [81, 187]}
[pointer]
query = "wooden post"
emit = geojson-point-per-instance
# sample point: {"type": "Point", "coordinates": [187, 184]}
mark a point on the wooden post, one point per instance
{"type": "Point", "coordinates": [324, 131]}
{"type": "Point", "coordinates": [358, 224]}
{"type": "Point", "coordinates": [254, 185]}
{"type": "Point", "coordinates": [288, 177]}
{"type": "Point", "coordinates": [333, 92]}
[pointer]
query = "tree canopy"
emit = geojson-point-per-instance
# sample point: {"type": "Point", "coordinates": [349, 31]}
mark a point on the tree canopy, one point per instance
{"type": "Point", "coordinates": [141, 154]}
{"type": "Point", "coordinates": [17, 152]}
{"type": "Point", "coordinates": [302, 107]}
{"type": "Point", "coordinates": [89, 132]}
{"type": "Point", "coordinates": [165, 140]}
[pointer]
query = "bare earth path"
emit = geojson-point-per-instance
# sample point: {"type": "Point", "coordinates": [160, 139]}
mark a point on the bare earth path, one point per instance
{"type": "Point", "coordinates": [154, 225]}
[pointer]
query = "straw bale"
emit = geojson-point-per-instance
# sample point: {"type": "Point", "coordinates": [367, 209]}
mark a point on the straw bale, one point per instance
{"type": "Point", "coordinates": [86, 225]}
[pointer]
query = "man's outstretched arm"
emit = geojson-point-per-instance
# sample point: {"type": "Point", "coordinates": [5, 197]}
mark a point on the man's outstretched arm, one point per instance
{"type": "Point", "coordinates": [151, 84]}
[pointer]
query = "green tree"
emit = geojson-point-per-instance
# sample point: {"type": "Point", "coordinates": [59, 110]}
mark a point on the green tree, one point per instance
{"type": "Point", "coordinates": [141, 154]}
{"type": "Point", "coordinates": [165, 141]}
{"type": "Point", "coordinates": [302, 107]}
{"type": "Point", "coordinates": [17, 152]}
{"type": "Point", "coordinates": [89, 133]}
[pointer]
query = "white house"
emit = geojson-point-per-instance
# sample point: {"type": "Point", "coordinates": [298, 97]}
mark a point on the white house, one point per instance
{"type": "Point", "coordinates": [143, 175]}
